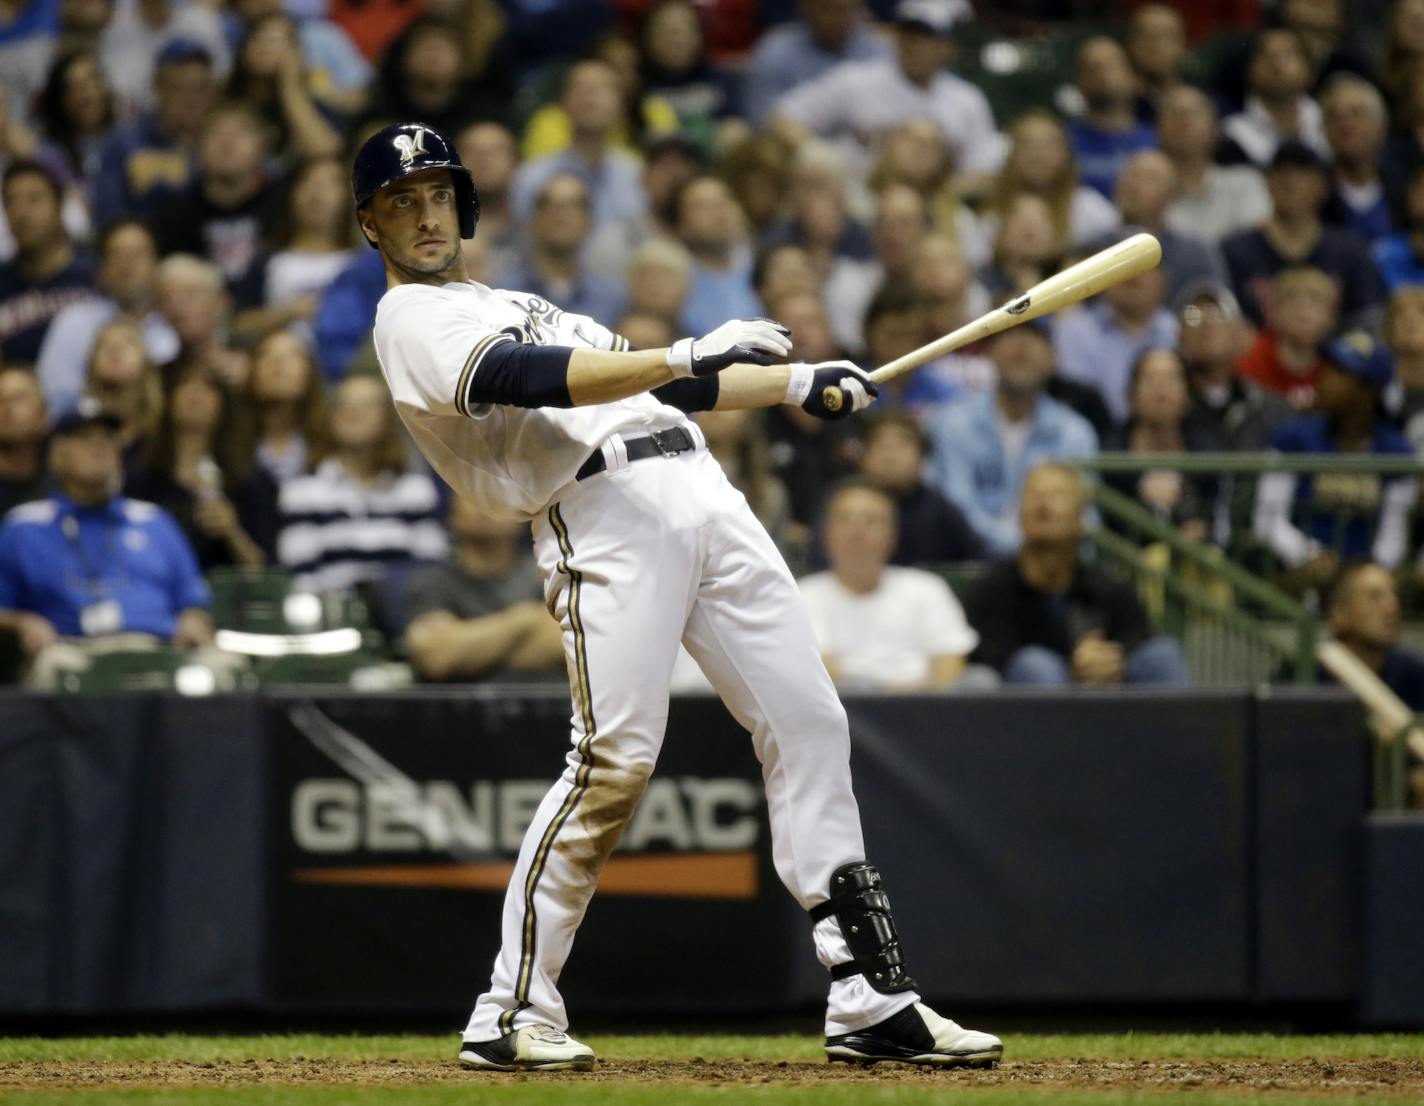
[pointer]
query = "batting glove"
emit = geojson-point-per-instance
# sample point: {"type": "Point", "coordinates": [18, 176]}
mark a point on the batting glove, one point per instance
{"type": "Point", "coordinates": [830, 389]}
{"type": "Point", "coordinates": [757, 341]}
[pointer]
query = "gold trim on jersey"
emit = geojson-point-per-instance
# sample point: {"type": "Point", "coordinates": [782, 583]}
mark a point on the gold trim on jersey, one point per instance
{"type": "Point", "coordinates": [583, 701]}
{"type": "Point", "coordinates": [462, 383]}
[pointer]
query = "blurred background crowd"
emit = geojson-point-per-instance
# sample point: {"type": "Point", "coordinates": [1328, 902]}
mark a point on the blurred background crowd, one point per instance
{"type": "Point", "coordinates": [189, 397]}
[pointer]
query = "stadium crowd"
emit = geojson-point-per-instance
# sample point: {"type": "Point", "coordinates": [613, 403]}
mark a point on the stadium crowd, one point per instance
{"type": "Point", "coordinates": [187, 380]}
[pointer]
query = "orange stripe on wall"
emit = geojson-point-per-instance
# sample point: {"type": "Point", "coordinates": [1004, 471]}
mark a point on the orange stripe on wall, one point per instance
{"type": "Point", "coordinates": [677, 876]}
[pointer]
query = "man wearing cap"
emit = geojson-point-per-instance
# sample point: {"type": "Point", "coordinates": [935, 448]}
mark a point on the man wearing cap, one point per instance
{"type": "Point", "coordinates": [1296, 235]}
{"type": "Point", "coordinates": [88, 571]}
{"type": "Point", "coordinates": [1312, 522]}
{"type": "Point", "coordinates": [857, 102]}
{"type": "Point", "coordinates": [985, 444]}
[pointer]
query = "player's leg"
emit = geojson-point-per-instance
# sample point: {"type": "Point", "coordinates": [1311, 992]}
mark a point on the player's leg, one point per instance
{"type": "Point", "coordinates": [621, 584]}
{"type": "Point", "coordinates": [750, 633]}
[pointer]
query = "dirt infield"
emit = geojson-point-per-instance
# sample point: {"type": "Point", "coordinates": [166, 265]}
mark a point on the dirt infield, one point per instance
{"type": "Point", "coordinates": [1375, 1078]}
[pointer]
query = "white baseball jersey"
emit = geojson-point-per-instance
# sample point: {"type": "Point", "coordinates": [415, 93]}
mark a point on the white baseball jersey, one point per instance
{"type": "Point", "coordinates": [511, 461]}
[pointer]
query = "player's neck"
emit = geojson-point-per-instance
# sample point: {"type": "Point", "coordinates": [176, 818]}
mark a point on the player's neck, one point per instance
{"type": "Point", "coordinates": [455, 272]}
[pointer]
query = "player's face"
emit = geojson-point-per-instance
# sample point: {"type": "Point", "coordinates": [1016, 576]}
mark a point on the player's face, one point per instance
{"type": "Point", "coordinates": [415, 222]}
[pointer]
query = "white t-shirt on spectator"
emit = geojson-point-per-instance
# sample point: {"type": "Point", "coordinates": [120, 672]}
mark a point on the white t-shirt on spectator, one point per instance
{"type": "Point", "coordinates": [890, 635]}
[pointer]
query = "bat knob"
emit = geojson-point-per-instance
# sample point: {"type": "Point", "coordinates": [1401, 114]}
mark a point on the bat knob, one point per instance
{"type": "Point", "coordinates": [833, 399]}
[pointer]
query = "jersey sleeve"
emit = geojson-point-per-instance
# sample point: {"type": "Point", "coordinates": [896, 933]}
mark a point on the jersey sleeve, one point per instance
{"type": "Point", "coordinates": [430, 350]}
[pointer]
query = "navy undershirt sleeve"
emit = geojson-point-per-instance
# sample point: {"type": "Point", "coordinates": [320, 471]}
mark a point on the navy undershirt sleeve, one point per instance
{"type": "Point", "coordinates": [690, 393]}
{"type": "Point", "coordinates": [516, 374]}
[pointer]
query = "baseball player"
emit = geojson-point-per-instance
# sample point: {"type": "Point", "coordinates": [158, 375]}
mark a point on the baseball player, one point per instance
{"type": "Point", "coordinates": [642, 543]}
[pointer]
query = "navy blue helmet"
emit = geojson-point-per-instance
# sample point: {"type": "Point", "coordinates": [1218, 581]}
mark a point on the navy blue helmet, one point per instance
{"type": "Point", "coordinates": [405, 148]}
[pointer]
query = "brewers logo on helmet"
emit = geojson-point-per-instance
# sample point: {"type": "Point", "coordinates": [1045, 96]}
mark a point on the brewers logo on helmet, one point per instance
{"type": "Point", "coordinates": [403, 149]}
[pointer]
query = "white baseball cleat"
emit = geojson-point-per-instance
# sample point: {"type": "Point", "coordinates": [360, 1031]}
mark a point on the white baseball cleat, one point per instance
{"type": "Point", "coordinates": [917, 1035]}
{"type": "Point", "coordinates": [532, 1048]}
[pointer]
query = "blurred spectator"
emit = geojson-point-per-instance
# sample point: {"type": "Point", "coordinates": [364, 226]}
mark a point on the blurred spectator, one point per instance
{"type": "Point", "coordinates": [27, 38]}
{"type": "Point", "coordinates": [756, 170]}
{"type": "Point", "coordinates": [75, 113]}
{"type": "Point", "coordinates": [784, 270]}
{"type": "Point", "coordinates": [1040, 163]}
{"type": "Point", "coordinates": [1404, 53]}
{"type": "Point", "coordinates": [1285, 357]}
{"type": "Point", "coordinates": [894, 326]}
{"type": "Point", "coordinates": [1159, 422]}
{"type": "Point", "coordinates": [1145, 190]}
{"type": "Point", "coordinates": [554, 267]}
{"type": "Point", "coordinates": [360, 510]}
{"type": "Point", "coordinates": [146, 164]}
{"type": "Point", "coordinates": [737, 439]}
{"type": "Point", "coordinates": [1312, 522]}
{"type": "Point", "coordinates": [282, 429]}
{"type": "Point", "coordinates": [1321, 25]}
{"type": "Point", "coordinates": [491, 154]}
{"type": "Point", "coordinates": [915, 154]}
{"type": "Point", "coordinates": [858, 102]}
{"type": "Point", "coordinates": [1109, 130]}
{"type": "Point", "coordinates": [427, 74]}
{"type": "Point", "coordinates": [805, 315]}
{"type": "Point", "coordinates": [669, 162]}
{"type": "Point", "coordinates": [826, 33]}
{"type": "Point", "coordinates": [931, 529]}
{"type": "Point", "coordinates": [1295, 235]}
{"type": "Point", "coordinates": [1278, 107]}
{"type": "Point", "coordinates": [817, 218]}
{"type": "Point", "coordinates": [482, 614]}
{"type": "Point", "coordinates": [1238, 413]}
{"type": "Point", "coordinates": [140, 38]}
{"type": "Point", "coordinates": [711, 227]}
{"type": "Point", "coordinates": [315, 241]}
{"type": "Point", "coordinates": [1097, 344]}
{"type": "Point", "coordinates": [128, 266]}
{"type": "Point", "coordinates": [87, 571]}
{"type": "Point", "coordinates": [1367, 193]}
{"type": "Point", "coordinates": [949, 298]}
{"type": "Point", "coordinates": [271, 78]}
{"type": "Point", "coordinates": [47, 273]}
{"type": "Point", "coordinates": [1363, 608]}
{"type": "Point", "coordinates": [593, 100]}
{"type": "Point", "coordinates": [226, 507]}
{"type": "Point", "coordinates": [645, 331]}
{"type": "Point", "coordinates": [881, 626]}
{"type": "Point", "coordinates": [1027, 248]}
{"type": "Point", "coordinates": [1211, 201]}
{"type": "Point", "coordinates": [984, 445]}
{"type": "Point", "coordinates": [126, 384]}
{"type": "Point", "coordinates": [676, 70]}
{"type": "Point", "coordinates": [641, 116]}
{"type": "Point", "coordinates": [1048, 618]}
{"type": "Point", "coordinates": [1400, 257]}
{"type": "Point", "coordinates": [1404, 334]}
{"type": "Point", "coordinates": [659, 278]}
{"type": "Point", "coordinates": [336, 73]}
{"type": "Point", "coordinates": [194, 299]}
{"type": "Point", "coordinates": [22, 433]}
{"type": "Point", "coordinates": [347, 311]}
{"type": "Point", "coordinates": [1157, 50]}
{"type": "Point", "coordinates": [227, 213]}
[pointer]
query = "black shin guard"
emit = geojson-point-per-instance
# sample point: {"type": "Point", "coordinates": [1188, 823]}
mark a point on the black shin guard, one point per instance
{"type": "Point", "coordinates": [861, 908]}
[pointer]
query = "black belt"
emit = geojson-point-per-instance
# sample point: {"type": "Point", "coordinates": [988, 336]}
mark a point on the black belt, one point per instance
{"type": "Point", "coordinates": [660, 443]}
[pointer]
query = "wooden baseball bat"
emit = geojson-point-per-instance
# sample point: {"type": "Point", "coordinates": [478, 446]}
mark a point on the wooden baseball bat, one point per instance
{"type": "Point", "coordinates": [1074, 284]}
{"type": "Point", "coordinates": [1393, 716]}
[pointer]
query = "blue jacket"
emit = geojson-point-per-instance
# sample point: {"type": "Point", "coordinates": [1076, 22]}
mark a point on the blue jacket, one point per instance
{"type": "Point", "coordinates": [969, 465]}
{"type": "Point", "coordinates": [347, 312]}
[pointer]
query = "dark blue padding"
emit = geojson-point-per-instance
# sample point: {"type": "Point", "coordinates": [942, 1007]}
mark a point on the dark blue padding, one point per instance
{"type": "Point", "coordinates": [514, 374]}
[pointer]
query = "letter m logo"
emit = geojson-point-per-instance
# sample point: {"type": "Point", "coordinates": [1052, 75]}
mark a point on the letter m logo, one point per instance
{"type": "Point", "coordinates": [409, 145]}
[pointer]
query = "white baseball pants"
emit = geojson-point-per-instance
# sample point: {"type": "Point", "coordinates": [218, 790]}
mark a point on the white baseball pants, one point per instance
{"type": "Point", "coordinates": [635, 560]}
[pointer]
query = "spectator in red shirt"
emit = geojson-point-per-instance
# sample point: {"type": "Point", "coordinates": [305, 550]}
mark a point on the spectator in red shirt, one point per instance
{"type": "Point", "coordinates": [1285, 357]}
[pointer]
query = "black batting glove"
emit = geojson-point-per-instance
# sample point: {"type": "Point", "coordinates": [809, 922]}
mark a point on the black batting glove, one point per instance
{"type": "Point", "coordinates": [754, 341]}
{"type": "Point", "coordinates": [830, 389]}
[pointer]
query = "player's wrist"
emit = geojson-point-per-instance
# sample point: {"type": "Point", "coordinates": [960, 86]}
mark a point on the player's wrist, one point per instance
{"type": "Point", "coordinates": [799, 381]}
{"type": "Point", "coordinates": [679, 358]}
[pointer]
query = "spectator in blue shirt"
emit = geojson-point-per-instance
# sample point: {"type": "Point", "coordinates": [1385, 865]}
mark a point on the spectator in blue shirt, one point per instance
{"type": "Point", "coordinates": [347, 312]}
{"type": "Point", "coordinates": [1109, 131]}
{"type": "Point", "coordinates": [985, 444]}
{"type": "Point", "coordinates": [46, 274]}
{"type": "Point", "coordinates": [554, 268]}
{"type": "Point", "coordinates": [827, 33]}
{"type": "Point", "coordinates": [1400, 257]}
{"type": "Point", "coordinates": [149, 161]}
{"type": "Point", "coordinates": [86, 565]}
{"type": "Point", "coordinates": [711, 227]}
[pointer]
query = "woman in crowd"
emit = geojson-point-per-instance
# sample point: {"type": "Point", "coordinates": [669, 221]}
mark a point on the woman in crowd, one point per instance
{"type": "Point", "coordinates": [195, 471]}
{"type": "Point", "coordinates": [361, 510]}
{"type": "Point", "coordinates": [1027, 248]}
{"type": "Point", "coordinates": [270, 77]}
{"type": "Point", "coordinates": [676, 70]}
{"type": "Point", "coordinates": [435, 72]}
{"type": "Point", "coordinates": [1040, 163]}
{"type": "Point", "coordinates": [76, 113]}
{"type": "Point", "coordinates": [282, 430]}
{"type": "Point", "coordinates": [916, 154]}
{"type": "Point", "coordinates": [127, 386]}
{"type": "Point", "coordinates": [756, 171]}
{"type": "Point", "coordinates": [316, 242]}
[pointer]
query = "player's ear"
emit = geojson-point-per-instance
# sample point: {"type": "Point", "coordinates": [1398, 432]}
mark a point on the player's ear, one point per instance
{"type": "Point", "coordinates": [368, 227]}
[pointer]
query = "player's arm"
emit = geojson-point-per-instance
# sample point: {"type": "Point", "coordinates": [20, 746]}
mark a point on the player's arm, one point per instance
{"type": "Point", "coordinates": [828, 390]}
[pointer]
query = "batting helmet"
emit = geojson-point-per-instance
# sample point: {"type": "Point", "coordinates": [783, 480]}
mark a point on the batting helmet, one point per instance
{"type": "Point", "coordinates": [405, 148]}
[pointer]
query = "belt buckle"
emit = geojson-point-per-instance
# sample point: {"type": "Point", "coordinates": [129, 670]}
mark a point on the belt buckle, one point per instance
{"type": "Point", "coordinates": [660, 437]}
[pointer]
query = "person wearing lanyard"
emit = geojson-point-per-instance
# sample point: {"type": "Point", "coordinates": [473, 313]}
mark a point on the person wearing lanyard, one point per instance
{"type": "Point", "coordinates": [87, 569]}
